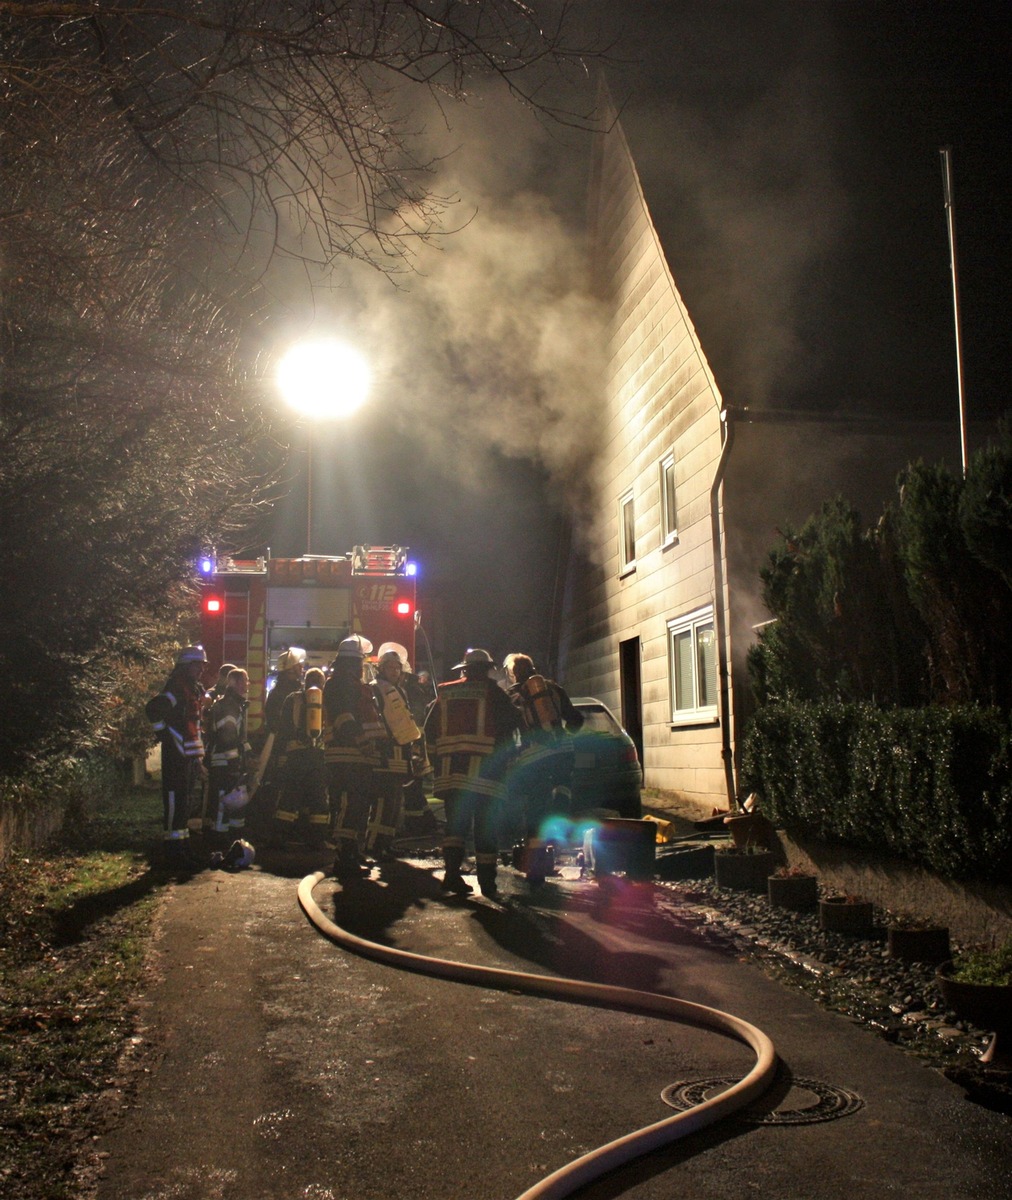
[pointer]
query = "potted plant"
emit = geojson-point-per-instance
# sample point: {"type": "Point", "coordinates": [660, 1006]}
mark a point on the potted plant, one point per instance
{"type": "Point", "coordinates": [846, 914]}
{"type": "Point", "coordinates": [793, 887]}
{"type": "Point", "coordinates": [748, 827]}
{"type": "Point", "coordinates": [914, 940]}
{"type": "Point", "coordinates": [744, 868]}
{"type": "Point", "coordinates": [977, 987]}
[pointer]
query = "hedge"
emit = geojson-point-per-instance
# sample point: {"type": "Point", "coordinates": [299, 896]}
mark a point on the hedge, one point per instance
{"type": "Point", "coordinates": [930, 785]}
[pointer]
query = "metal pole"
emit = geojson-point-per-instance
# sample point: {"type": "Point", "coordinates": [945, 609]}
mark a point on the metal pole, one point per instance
{"type": "Point", "coordinates": [946, 153]}
{"type": "Point", "coordinates": [309, 491]}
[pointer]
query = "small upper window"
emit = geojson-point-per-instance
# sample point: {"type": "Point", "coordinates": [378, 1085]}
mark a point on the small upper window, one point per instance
{"type": "Point", "coordinates": [626, 534]}
{"type": "Point", "coordinates": [669, 513]}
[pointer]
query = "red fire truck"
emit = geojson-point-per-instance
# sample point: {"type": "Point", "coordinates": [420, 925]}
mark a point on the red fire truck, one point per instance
{"type": "Point", "coordinates": [252, 609]}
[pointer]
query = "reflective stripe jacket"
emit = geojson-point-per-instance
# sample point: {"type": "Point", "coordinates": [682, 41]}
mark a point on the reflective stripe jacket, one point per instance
{"type": "Point", "coordinates": [536, 740]}
{"type": "Point", "coordinates": [175, 715]}
{"type": "Point", "coordinates": [395, 751]}
{"type": "Point", "coordinates": [351, 724]}
{"type": "Point", "coordinates": [227, 724]}
{"type": "Point", "coordinates": [469, 731]}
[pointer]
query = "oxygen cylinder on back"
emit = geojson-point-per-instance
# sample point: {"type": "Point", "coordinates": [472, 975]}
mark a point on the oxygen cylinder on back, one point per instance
{"type": "Point", "coordinates": [314, 712]}
{"type": "Point", "coordinates": [396, 714]}
{"type": "Point", "coordinates": [539, 704]}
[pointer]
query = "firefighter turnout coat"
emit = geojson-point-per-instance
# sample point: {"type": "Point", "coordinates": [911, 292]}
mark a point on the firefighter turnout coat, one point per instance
{"type": "Point", "coordinates": [469, 731]}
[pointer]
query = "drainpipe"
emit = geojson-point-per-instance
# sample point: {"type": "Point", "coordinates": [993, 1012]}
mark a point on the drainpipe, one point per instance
{"type": "Point", "coordinates": [719, 615]}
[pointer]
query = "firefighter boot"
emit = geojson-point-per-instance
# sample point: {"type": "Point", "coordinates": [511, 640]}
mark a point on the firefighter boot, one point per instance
{"type": "Point", "coordinates": [486, 880]}
{"type": "Point", "coordinates": [536, 863]}
{"type": "Point", "coordinates": [347, 865]}
{"type": "Point", "coordinates": [453, 880]}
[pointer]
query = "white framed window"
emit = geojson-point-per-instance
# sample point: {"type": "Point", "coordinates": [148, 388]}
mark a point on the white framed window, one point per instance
{"type": "Point", "coordinates": [692, 654]}
{"type": "Point", "coordinates": [626, 534]}
{"type": "Point", "coordinates": [669, 510]}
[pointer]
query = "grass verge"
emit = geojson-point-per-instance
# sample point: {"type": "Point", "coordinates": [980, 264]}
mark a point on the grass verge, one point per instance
{"type": "Point", "coordinates": [75, 924]}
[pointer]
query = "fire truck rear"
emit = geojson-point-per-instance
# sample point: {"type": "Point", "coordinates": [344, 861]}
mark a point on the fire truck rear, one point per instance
{"type": "Point", "coordinates": [252, 609]}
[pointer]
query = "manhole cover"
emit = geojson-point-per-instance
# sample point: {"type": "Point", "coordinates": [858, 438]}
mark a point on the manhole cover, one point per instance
{"type": "Point", "coordinates": [788, 1102]}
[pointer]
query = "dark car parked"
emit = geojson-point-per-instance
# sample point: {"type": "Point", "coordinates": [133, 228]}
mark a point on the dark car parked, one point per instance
{"type": "Point", "coordinates": [606, 769]}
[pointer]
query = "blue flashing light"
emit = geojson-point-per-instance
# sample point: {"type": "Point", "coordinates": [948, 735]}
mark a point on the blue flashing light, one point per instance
{"type": "Point", "coordinates": [411, 568]}
{"type": "Point", "coordinates": [207, 566]}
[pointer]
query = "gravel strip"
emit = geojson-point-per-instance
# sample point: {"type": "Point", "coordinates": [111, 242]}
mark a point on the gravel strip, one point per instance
{"type": "Point", "coordinates": [895, 999]}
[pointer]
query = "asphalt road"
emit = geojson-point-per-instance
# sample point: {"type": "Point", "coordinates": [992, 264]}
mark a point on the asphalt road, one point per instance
{"type": "Point", "coordinates": [273, 1063]}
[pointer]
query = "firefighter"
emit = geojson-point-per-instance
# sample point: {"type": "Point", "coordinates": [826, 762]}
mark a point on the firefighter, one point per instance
{"type": "Point", "coordinates": [175, 716]}
{"type": "Point", "coordinates": [396, 752]}
{"type": "Point", "coordinates": [227, 755]}
{"type": "Point", "coordinates": [303, 778]}
{"type": "Point", "coordinates": [419, 820]}
{"type": "Point", "coordinates": [470, 734]}
{"type": "Point", "coordinates": [208, 807]}
{"type": "Point", "coordinates": [543, 771]}
{"type": "Point", "coordinates": [351, 730]}
{"type": "Point", "coordinates": [290, 666]}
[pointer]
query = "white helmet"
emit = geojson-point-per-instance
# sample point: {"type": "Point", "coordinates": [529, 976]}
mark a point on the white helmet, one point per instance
{"type": "Point", "coordinates": [237, 798]}
{"type": "Point", "coordinates": [239, 855]}
{"type": "Point", "coordinates": [191, 654]}
{"type": "Point", "coordinates": [354, 647]}
{"type": "Point", "coordinates": [395, 649]}
{"type": "Point", "coordinates": [291, 658]}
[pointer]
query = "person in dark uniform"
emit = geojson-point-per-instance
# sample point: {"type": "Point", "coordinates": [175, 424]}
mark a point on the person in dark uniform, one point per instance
{"type": "Point", "coordinates": [543, 770]}
{"type": "Point", "coordinates": [470, 734]}
{"type": "Point", "coordinates": [175, 717]}
{"type": "Point", "coordinates": [290, 667]}
{"type": "Point", "coordinates": [227, 756]}
{"type": "Point", "coordinates": [303, 810]}
{"type": "Point", "coordinates": [351, 730]}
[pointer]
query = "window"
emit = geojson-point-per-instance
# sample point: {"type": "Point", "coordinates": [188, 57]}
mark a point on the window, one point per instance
{"type": "Point", "coordinates": [693, 663]}
{"type": "Point", "coordinates": [626, 534]}
{"type": "Point", "coordinates": [669, 513]}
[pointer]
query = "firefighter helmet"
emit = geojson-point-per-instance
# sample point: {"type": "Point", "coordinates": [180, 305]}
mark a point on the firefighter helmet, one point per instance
{"type": "Point", "coordinates": [472, 657]}
{"type": "Point", "coordinates": [291, 659]}
{"type": "Point", "coordinates": [395, 650]}
{"type": "Point", "coordinates": [354, 647]}
{"type": "Point", "coordinates": [239, 855]}
{"type": "Point", "coordinates": [237, 798]}
{"type": "Point", "coordinates": [191, 654]}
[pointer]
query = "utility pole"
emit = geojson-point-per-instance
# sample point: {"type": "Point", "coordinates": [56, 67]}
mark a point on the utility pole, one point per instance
{"type": "Point", "coordinates": [946, 153]}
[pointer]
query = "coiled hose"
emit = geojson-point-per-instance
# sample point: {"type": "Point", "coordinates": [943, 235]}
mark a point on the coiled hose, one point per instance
{"type": "Point", "coordinates": [588, 1167]}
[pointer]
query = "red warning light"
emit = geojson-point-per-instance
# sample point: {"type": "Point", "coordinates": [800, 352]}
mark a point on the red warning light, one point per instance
{"type": "Point", "coordinates": [213, 604]}
{"type": "Point", "coordinates": [403, 608]}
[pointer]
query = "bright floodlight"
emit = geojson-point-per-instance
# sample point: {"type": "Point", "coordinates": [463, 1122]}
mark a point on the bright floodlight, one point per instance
{"type": "Point", "coordinates": [324, 378]}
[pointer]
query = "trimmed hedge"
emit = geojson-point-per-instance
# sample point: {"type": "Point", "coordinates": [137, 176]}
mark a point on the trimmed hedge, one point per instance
{"type": "Point", "coordinates": [930, 785]}
{"type": "Point", "coordinates": [38, 804]}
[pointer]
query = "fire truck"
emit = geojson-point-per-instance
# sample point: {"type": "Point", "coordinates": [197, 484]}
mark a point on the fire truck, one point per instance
{"type": "Point", "coordinates": [252, 609]}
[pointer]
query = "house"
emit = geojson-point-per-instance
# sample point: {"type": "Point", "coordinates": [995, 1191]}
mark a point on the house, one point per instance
{"type": "Point", "coordinates": [663, 593]}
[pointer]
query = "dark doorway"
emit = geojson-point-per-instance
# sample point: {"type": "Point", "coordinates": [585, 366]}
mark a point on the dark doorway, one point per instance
{"type": "Point", "coordinates": [629, 681]}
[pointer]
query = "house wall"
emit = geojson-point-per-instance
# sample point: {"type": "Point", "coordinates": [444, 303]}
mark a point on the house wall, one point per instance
{"type": "Point", "coordinates": [659, 397]}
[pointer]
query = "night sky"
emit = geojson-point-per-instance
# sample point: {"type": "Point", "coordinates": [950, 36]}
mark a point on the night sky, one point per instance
{"type": "Point", "coordinates": [789, 153]}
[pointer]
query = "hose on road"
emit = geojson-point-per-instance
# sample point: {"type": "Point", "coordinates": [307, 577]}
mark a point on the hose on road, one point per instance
{"type": "Point", "coordinates": [588, 1167]}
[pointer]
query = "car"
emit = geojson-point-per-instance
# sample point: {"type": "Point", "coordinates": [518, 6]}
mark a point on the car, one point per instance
{"type": "Point", "coordinates": [607, 773]}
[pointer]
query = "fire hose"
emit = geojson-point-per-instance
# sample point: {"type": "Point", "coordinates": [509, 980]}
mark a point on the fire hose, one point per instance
{"type": "Point", "coordinates": [592, 1165]}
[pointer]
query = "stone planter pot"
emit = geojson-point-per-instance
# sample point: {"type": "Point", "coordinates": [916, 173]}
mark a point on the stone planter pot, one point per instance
{"type": "Point", "coordinates": [843, 916]}
{"type": "Point", "coordinates": [798, 892]}
{"type": "Point", "coordinates": [919, 945]}
{"type": "Point", "coordinates": [988, 1006]}
{"type": "Point", "coordinates": [742, 872]}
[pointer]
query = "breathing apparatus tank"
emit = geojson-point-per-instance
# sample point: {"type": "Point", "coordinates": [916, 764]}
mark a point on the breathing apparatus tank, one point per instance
{"type": "Point", "coordinates": [396, 714]}
{"type": "Point", "coordinates": [314, 712]}
{"type": "Point", "coordinates": [540, 705]}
